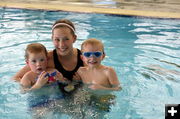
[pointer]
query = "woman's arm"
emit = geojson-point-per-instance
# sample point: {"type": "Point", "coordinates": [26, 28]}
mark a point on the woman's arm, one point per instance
{"type": "Point", "coordinates": [77, 77]}
{"type": "Point", "coordinates": [50, 60]}
{"type": "Point", "coordinates": [18, 76]}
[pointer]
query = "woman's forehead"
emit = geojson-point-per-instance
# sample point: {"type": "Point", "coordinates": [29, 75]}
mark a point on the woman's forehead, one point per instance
{"type": "Point", "coordinates": [62, 30]}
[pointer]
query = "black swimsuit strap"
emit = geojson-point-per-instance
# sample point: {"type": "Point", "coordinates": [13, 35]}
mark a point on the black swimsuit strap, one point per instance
{"type": "Point", "coordinates": [60, 68]}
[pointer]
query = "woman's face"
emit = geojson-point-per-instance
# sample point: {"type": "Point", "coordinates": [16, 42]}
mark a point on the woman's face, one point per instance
{"type": "Point", "coordinates": [63, 40]}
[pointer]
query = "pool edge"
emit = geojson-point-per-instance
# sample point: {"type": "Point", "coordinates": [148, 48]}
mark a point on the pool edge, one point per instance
{"type": "Point", "coordinates": [71, 8]}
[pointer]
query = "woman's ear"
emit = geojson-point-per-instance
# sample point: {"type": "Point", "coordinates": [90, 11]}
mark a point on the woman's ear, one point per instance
{"type": "Point", "coordinates": [75, 37]}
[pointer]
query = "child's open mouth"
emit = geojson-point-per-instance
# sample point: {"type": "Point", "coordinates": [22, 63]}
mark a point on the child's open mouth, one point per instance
{"type": "Point", "coordinates": [39, 69]}
{"type": "Point", "coordinates": [92, 62]}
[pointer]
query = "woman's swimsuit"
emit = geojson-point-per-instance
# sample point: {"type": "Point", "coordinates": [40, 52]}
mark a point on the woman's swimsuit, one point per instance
{"type": "Point", "coordinates": [65, 73]}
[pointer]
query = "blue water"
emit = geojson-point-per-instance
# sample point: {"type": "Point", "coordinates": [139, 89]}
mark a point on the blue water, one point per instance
{"type": "Point", "coordinates": [144, 52]}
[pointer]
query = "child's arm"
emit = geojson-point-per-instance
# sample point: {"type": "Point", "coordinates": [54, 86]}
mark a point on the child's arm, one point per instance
{"type": "Point", "coordinates": [25, 81]}
{"type": "Point", "coordinates": [113, 79]}
{"type": "Point", "coordinates": [18, 76]}
{"type": "Point", "coordinates": [28, 82]}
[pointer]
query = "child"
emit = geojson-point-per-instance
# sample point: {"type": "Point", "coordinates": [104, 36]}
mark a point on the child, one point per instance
{"type": "Point", "coordinates": [102, 79]}
{"type": "Point", "coordinates": [36, 58]}
{"type": "Point", "coordinates": [99, 77]}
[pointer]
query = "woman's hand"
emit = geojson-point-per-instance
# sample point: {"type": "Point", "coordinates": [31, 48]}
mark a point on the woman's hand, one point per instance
{"type": "Point", "coordinates": [76, 77]}
{"type": "Point", "coordinates": [59, 77]}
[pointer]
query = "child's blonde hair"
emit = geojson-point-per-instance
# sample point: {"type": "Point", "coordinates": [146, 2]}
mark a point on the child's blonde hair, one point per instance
{"type": "Point", "coordinates": [93, 42]}
{"type": "Point", "coordinates": [35, 48]}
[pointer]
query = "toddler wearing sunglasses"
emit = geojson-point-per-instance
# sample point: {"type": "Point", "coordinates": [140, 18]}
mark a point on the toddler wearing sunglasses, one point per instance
{"type": "Point", "coordinates": [96, 75]}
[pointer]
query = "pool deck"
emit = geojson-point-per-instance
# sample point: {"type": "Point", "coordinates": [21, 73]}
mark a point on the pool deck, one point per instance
{"type": "Point", "coordinates": [140, 8]}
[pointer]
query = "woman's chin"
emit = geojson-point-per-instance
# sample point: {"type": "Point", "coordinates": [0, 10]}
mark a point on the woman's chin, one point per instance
{"type": "Point", "coordinates": [63, 53]}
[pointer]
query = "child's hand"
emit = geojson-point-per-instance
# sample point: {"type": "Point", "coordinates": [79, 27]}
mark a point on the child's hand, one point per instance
{"type": "Point", "coordinates": [42, 80]}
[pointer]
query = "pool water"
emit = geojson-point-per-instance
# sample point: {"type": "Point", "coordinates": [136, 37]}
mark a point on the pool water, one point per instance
{"type": "Point", "coordinates": [144, 52]}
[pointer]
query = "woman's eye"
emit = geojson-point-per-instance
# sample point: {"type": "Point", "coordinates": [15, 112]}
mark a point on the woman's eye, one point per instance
{"type": "Point", "coordinates": [56, 39]}
{"type": "Point", "coordinates": [66, 39]}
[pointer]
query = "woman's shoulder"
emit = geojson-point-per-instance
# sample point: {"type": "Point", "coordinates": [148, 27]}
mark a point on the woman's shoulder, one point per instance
{"type": "Point", "coordinates": [50, 70]}
{"type": "Point", "coordinates": [50, 59]}
{"type": "Point", "coordinates": [78, 49]}
{"type": "Point", "coordinates": [50, 53]}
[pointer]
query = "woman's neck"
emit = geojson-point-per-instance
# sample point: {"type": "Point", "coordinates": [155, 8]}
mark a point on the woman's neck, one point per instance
{"type": "Point", "coordinates": [69, 56]}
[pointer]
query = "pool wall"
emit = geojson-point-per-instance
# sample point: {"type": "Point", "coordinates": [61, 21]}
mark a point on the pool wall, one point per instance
{"type": "Point", "coordinates": [86, 9]}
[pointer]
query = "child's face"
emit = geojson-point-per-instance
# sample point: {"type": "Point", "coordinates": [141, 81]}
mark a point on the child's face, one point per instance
{"type": "Point", "coordinates": [63, 40]}
{"type": "Point", "coordinates": [37, 62]}
{"type": "Point", "coordinates": [92, 55]}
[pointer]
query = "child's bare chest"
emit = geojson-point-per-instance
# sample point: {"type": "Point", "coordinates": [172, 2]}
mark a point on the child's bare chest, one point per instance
{"type": "Point", "coordinates": [96, 78]}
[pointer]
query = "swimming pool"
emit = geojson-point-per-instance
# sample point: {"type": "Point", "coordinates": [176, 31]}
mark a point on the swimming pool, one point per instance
{"type": "Point", "coordinates": [144, 52]}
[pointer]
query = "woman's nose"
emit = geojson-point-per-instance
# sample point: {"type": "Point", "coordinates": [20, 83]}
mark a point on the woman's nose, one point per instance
{"type": "Point", "coordinates": [61, 43]}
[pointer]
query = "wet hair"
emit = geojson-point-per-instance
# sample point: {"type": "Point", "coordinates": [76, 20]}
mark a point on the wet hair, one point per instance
{"type": "Point", "coordinates": [34, 48]}
{"type": "Point", "coordinates": [93, 42]}
{"type": "Point", "coordinates": [64, 23]}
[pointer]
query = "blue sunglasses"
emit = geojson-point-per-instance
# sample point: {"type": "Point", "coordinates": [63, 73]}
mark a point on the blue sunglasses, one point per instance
{"type": "Point", "coordinates": [90, 54]}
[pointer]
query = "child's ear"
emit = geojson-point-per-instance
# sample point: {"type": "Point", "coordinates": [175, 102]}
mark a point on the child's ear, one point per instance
{"type": "Point", "coordinates": [27, 62]}
{"type": "Point", "coordinates": [81, 56]}
{"type": "Point", "coordinates": [103, 56]}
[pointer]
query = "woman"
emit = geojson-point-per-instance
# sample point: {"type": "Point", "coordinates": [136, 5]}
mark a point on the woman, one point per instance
{"type": "Point", "coordinates": [65, 58]}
